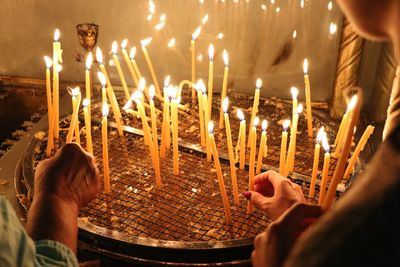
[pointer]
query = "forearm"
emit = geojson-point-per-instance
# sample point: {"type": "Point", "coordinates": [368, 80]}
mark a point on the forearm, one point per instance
{"type": "Point", "coordinates": [50, 217]}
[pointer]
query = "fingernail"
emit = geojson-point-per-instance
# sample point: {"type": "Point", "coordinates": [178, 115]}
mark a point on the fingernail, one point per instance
{"type": "Point", "coordinates": [247, 194]}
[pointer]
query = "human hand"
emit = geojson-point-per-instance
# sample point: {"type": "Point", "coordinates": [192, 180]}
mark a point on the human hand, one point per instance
{"type": "Point", "coordinates": [273, 245]}
{"type": "Point", "coordinates": [274, 193]}
{"type": "Point", "coordinates": [71, 175]}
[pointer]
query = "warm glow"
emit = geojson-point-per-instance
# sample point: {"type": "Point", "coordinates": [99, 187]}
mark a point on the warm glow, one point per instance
{"type": "Point", "coordinates": [127, 105]}
{"type": "Point", "coordinates": [263, 7]}
{"type": "Point", "coordinates": [225, 104]}
{"type": "Point", "coordinates": [48, 61]}
{"type": "Point", "coordinates": [105, 109]}
{"type": "Point", "coordinates": [102, 79]}
{"type": "Point", "coordinates": [295, 92]}
{"type": "Point", "coordinates": [149, 17]}
{"type": "Point", "coordinates": [200, 57]}
{"type": "Point", "coordinates": [136, 96]}
{"type": "Point", "coordinates": [132, 53]}
{"type": "Point", "coordinates": [256, 121]}
{"type": "Point", "coordinates": [152, 91]}
{"type": "Point", "coordinates": [240, 114]}
{"type": "Point", "coordinates": [332, 28]}
{"type": "Point", "coordinates": [99, 55]}
{"type": "Point", "coordinates": [211, 52]}
{"type": "Point", "coordinates": [210, 127]}
{"type": "Point", "coordinates": [86, 102]}
{"type": "Point", "coordinates": [74, 91]}
{"type": "Point", "coordinates": [200, 86]}
{"type": "Point", "coordinates": [352, 103]}
{"type": "Point", "coordinates": [278, 9]}
{"type": "Point", "coordinates": [325, 143]}
{"type": "Point", "coordinates": [171, 43]}
{"type": "Point", "coordinates": [330, 5]}
{"type": "Point", "coordinates": [56, 35]}
{"type": "Point", "coordinates": [225, 57]}
{"type": "Point", "coordinates": [258, 83]}
{"type": "Point", "coordinates": [159, 26]}
{"type": "Point", "coordinates": [89, 61]}
{"type": "Point", "coordinates": [264, 125]}
{"type": "Point", "coordinates": [58, 68]}
{"type": "Point", "coordinates": [163, 17]}
{"type": "Point", "coordinates": [124, 43]}
{"type": "Point", "coordinates": [196, 33]}
{"type": "Point", "coordinates": [294, 35]}
{"type": "Point", "coordinates": [146, 41]}
{"type": "Point", "coordinates": [220, 35]}
{"type": "Point", "coordinates": [320, 134]}
{"type": "Point", "coordinates": [142, 84]}
{"type": "Point", "coordinates": [302, 3]}
{"type": "Point", "coordinates": [152, 7]}
{"type": "Point", "coordinates": [305, 66]}
{"type": "Point", "coordinates": [114, 47]}
{"type": "Point", "coordinates": [167, 80]}
{"type": "Point", "coordinates": [299, 109]}
{"type": "Point", "coordinates": [204, 19]}
{"type": "Point", "coordinates": [286, 124]}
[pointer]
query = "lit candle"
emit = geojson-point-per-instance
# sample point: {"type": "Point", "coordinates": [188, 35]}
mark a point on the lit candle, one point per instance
{"type": "Point", "coordinates": [165, 130]}
{"type": "Point", "coordinates": [110, 92]}
{"type": "Point", "coordinates": [128, 62]}
{"type": "Point", "coordinates": [89, 145]}
{"type": "Point", "coordinates": [50, 138]}
{"type": "Point", "coordinates": [206, 121]}
{"type": "Point", "coordinates": [201, 88]}
{"type": "Point", "coordinates": [282, 162]}
{"type": "Point", "coordinates": [263, 146]}
{"type": "Point", "coordinates": [89, 61]}
{"type": "Point", "coordinates": [308, 98]}
{"type": "Point", "coordinates": [156, 162]}
{"type": "Point", "coordinates": [219, 173]}
{"type": "Point", "coordinates": [325, 169]}
{"type": "Point", "coordinates": [104, 135]}
{"type": "Point", "coordinates": [144, 43]}
{"type": "Point", "coordinates": [253, 137]}
{"type": "Point", "coordinates": [174, 117]}
{"type": "Point", "coordinates": [210, 79]}
{"type": "Point", "coordinates": [224, 86]}
{"type": "Point", "coordinates": [139, 94]}
{"type": "Point", "coordinates": [347, 139]}
{"type": "Point", "coordinates": [114, 50]}
{"type": "Point", "coordinates": [57, 58]}
{"type": "Point", "coordinates": [314, 172]}
{"type": "Point", "coordinates": [242, 139]}
{"type": "Point", "coordinates": [195, 35]}
{"type": "Point", "coordinates": [255, 107]}
{"type": "Point", "coordinates": [293, 140]}
{"type": "Point", "coordinates": [232, 162]}
{"type": "Point", "coordinates": [295, 93]}
{"type": "Point", "coordinates": [360, 147]}
{"type": "Point", "coordinates": [103, 82]}
{"type": "Point", "coordinates": [132, 55]}
{"type": "Point", "coordinates": [76, 101]}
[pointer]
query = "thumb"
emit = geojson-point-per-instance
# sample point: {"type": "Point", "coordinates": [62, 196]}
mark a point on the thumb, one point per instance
{"type": "Point", "coordinates": [255, 198]}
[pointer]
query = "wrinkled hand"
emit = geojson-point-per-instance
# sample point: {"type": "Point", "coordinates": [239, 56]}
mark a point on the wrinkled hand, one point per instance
{"type": "Point", "coordinates": [71, 175]}
{"type": "Point", "coordinates": [274, 193]}
{"type": "Point", "coordinates": [273, 246]}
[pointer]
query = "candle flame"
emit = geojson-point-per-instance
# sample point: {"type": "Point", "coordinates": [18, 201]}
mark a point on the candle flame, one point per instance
{"type": "Point", "coordinates": [225, 57]}
{"type": "Point", "coordinates": [332, 28]}
{"type": "Point", "coordinates": [330, 5]}
{"type": "Point", "coordinates": [149, 17]}
{"type": "Point", "coordinates": [211, 52]}
{"type": "Point", "coordinates": [196, 33]}
{"type": "Point", "coordinates": [294, 91]}
{"type": "Point", "coordinates": [263, 7]}
{"type": "Point", "coordinates": [152, 7]}
{"type": "Point", "coordinates": [102, 79]}
{"type": "Point", "coordinates": [159, 26]}
{"type": "Point", "coordinates": [278, 9]}
{"type": "Point", "coordinates": [352, 103]}
{"type": "Point", "coordinates": [136, 96]}
{"type": "Point", "coordinates": [56, 35]}
{"type": "Point", "coordinates": [258, 83]}
{"type": "Point", "coordinates": [201, 86]}
{"type": "Point", "coordinates": [320, 134]}
{"type": "Point", "coordinates": [240, 114]}
{"type": "Point", "coordinates": [58, 68]}
{"type": "Point", "coordinates": [48, 61]}
{"type": "Point", "coordinates": [305, 66]}
{"type": "Point", "coordinates": [127, 105]}
{"type": "Point", "coordinates": [302, 3]}
{"type": "Point", "coordinates": [146, 41]}
{"type": "Point", "coordinates": [325, 142]}
{"type": "Point", "coordinates": [264, 125]}
{"type": "Point", "coordinates": [105, 109]}
{"type": "Point", "coordinates": [152, 91]}
{"type": "Point", "coordinates": [124, 43]}
{"type": "Point", "coordinates": [114, 47]}
{"type": "Point", "coordinates": [99, 55]}
{"type": "Point", "coordinates": [74, 91]}
{"type": "Point", "coordinates": [204, 19]}
{"type": "Point", "coordinates": [210, 127]}
{"type": "Point", "coordinates": [132, 53]}
{"type": "Point", "coordinates": [299, 108]}
{"type": "Point", "coordinates": [171, 43]}
{"type": "Point", "coordinates": [178, 100]}
{"type": "Point", "coordinates": [85, 102]}
{"type": "Point", "coordinates": [142, 84]}
{"type": "Point", "coordinates": [89, 61]}
{"type": "Point", "coordinates": [167, 80]}
{"type": "Point", "coordinates": [286, 124]}
{"type": "Point", "coordinates": [294, 35]}
{"type": "Point", "coordinates": [225, 104]}
{"type": "Point", "coordinates": [220, 35]}
{"type": "Point", "coordinates": [256, 121]}
{"type": "Point", "coordinates": [163, 17]}
{"type": "Point", "coordinates": [200, 57]}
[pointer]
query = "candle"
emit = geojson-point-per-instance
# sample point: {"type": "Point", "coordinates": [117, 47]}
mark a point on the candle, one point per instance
{"type": "Point", "coordinates": [128, 62]}
{"type": "Point", "coordinates": [201, 88]}
{"type": "Point", "coordinates": [308, 98]}
{"type": "Point", "coordinates": [156, 164]}
{"type": "Point", "coordinates": [206, 121]}
{"type": "Point", "coordinates": [144, 44]}
{"type": "Point", "coordinates": [253, 137]}
{"type": "Point", "coordinates": [114, 50]}
{"type": "Point", "coordinates": [295, 93]}
{"type": "Point", "coordinates": [347, 138]}
{"type": "Point", "coordinates": [103, 82]}
{"type": "Point", "coordinates": [50, 138]}
{"type": "Point", "coordinates": [314, 172]}
{"type": "Point", "coordinates": [104, 135]}
{"type": "Point", "coordinates": [242, 139]}
{"type": "Point", "coordinates": [174, 117]}
{"type": "Point", "coordinates": [57, 58]}
{"type": "Point", "coordinates": [224, 86]}
{"type": "Point", "coordinates": [263, 145]}
{"type": "Point", "coordinates": [255, 106]}
{"type": "Point", "coordinates": [139, 94]}
{"type": "Point", "coordinates": [132, 55]}
{"type": "Point", "coordinates": [210, 79]}
{"type": "Point", "coordinates": [360, 147]}
{"type": "Point", "coordinates": [165, 130]}
{"type": "Point", "coordinates": [89, 145]}
{"type": "Point", "coordinates": [235, 189]}
{"type": "Point", "coordinates": [76, 100]}
{"type": "Point", "coordinates": [293, 140]}
{"type": "Point", "coordinates": [77, 131]}
{"type": "Point", "coordinates": [325, 169]}
{"type": "Point", "coordinates": [285, 125]}
{"type": "Point", "coordinates": [110, 92]}
{"type": "Point", "coordinates": [195, 35]}
{"type": "Point", "coordinates": [219, 173]}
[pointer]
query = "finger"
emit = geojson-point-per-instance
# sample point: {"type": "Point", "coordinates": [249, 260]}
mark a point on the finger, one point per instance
{"type": "Point", "coordinates": [269, 177]}
{"type": "Point", "coordinates": [258, 199]}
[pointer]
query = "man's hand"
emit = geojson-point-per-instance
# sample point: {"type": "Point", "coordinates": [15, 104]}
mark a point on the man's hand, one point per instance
{"type": "Point", "coordinates": [274, 193]}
